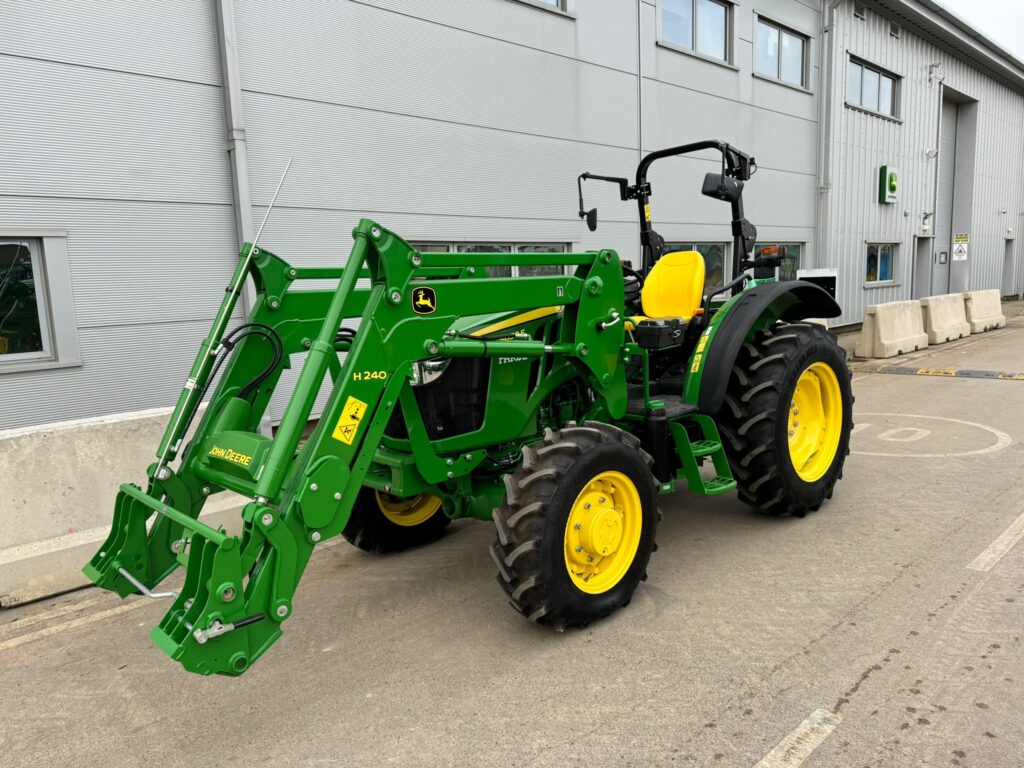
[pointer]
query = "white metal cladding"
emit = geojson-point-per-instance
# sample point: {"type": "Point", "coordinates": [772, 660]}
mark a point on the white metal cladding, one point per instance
{"type": "Point", "coordinates": [462, 120]}
{"type": "Point", "coordinates": [686, 99]}
{"type": "Point", "coordinates": [163, 39]}
{"type": "Point", "coordinates": [113, 131]}
{"type": "Point", "coordinates": [863, 142]}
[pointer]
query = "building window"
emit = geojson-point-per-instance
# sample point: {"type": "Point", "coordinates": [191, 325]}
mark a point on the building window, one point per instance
{"type": "Point", "coordinates": [23, 328]}
{"type": "Point", "coordinates": [871, 88]}
{"type": "Point", "coordinates": [563, 6]}
{"type": "Point", "coordinates": [714, 259]}
{"type": "Point", "coordinates": [526, 271]}
{"type": "Point", "coordinates": [37, 316]}
{"type": "Point", "coordinates": [790, 253]}
{"type": "Point", "coordinates": [781, 54]}
{"type": "Point", "coordinates": [880, 265]}
{"type": "Point", "coordinates": [701, 26]}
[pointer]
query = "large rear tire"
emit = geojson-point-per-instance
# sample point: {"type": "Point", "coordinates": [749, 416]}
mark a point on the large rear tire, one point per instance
{"type": "Point", "coordinates": [383, 523]}
{"type": "Point", "coordinates": [577, 528]}
{"type": "Point", "coordinates": [786, 418]}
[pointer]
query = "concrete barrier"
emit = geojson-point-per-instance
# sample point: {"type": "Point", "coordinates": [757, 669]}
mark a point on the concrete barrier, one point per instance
{"type": "Point", "coordinates": [984, 310]}
{"type": "Point", "coordinates": [891, 329]}
{"type": "Point", "coordinates": [57, 489]}
{"type": "Point", "coordinates": [945, 318]}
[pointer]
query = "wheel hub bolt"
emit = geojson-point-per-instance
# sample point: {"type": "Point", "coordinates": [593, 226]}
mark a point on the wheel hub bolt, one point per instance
{"type": "Point", "coordinates": [579, 548]}
{"type": "Point", "coordinates": [577, 526]}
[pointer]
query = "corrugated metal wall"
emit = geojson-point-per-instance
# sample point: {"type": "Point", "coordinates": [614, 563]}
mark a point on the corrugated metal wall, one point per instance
{"type": "Point", "coordinates": [689, 99]}
{"type": "Point", "coordinates": [462, 120]}
{"type": "Point", "coordinates": [113, 131]}
{"type": "Point", "coordinates": [863, 142]}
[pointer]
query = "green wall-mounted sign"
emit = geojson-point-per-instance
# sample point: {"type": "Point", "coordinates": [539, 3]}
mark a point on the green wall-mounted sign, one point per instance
{"type": "Point", "coordinates": [888, 184]}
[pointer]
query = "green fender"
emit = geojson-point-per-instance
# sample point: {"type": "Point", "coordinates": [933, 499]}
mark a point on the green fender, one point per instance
{"type": "Point", "coordinates": [752, 310]}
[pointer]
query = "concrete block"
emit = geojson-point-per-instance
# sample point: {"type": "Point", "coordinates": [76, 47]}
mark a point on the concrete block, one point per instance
{"type": "Point", "coordinates": [945, 318]}
{"type": "Point", "coordinates": [891, 329]}
{"type": "Point", "coordinates": [57, 489]}
{"type": "Point", "coordinates": [984, 310]}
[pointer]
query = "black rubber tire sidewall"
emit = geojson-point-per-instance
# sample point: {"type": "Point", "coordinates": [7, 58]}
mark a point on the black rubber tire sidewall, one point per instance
{"type": "Point", "coordinates": [580, 606]}
{"type": "Point", "coordinates": [369, 529]}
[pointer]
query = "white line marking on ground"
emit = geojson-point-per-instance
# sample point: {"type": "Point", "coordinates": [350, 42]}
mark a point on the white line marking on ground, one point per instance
{"type": "Point", "coordinates": [10, 627]}
{"type": "Point", "coordinates": [39, 634]}
{"type": "Point", "coordinates": [855, 379]}
{"type": "Point", "coordinates": [995, 551]}
{"type": "Point", "coordinates": [1003, 440]}
{"type": "Point", "coordinates": [904, 434]}
{"type": "Point", "coordinates": [801, 741]}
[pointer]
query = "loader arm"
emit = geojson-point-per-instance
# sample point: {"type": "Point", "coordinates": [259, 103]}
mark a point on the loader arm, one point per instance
{"type": "Point", "coordinates": [239, 589]}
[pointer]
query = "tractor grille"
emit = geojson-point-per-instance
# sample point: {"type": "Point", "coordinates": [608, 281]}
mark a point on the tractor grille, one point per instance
{"type": "Point", "coordinates": [453, 404]}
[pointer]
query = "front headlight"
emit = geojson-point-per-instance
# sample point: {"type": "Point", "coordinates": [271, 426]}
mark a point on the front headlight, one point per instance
{"type": "Point", "coordinates": [429, 371]}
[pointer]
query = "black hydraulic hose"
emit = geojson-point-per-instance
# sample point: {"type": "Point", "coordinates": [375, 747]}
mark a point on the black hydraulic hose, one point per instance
{"type": "Point", "coordinates": [229, 343]}
{"type": "Point", "coordinates": [278, 353]}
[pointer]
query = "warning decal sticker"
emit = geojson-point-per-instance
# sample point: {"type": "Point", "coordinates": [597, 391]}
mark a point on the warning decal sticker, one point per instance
{"type": "Point", "coordinates": [351, 417]}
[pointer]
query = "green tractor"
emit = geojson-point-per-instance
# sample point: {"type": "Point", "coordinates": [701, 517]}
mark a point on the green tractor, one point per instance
{"type": "Point", "coordinates": [558, 406]}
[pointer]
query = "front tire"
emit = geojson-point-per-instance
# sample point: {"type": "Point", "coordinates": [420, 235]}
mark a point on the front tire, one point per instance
{"type": "Point", "coordinates": [786, 418]}
{"type": "Point", "coordinates": [577, 529]}
{"type": "Point", "coordinates": [383, 523]}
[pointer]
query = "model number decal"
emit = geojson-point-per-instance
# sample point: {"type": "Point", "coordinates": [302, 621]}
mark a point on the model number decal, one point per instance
{"type": "Point", "coordinates": [369, 375]}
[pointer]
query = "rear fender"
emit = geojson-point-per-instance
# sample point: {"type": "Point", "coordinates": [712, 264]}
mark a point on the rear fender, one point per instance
{"type": "Point", "coordinates": [754, 309]}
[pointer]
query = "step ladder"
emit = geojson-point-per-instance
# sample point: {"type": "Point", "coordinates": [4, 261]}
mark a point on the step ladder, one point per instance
{"type": "Point", "coordinates": [692, 451]}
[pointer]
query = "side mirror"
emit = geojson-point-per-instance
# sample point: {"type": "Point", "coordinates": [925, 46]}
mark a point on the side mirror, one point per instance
{"type": "Point", "coordinates": [591, 219]}
{"type": "Point", "coordinates": [722, 187]}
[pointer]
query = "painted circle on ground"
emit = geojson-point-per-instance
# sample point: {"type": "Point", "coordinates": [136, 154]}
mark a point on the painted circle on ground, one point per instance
{"type": "Point", "coordinates": [970, 437]}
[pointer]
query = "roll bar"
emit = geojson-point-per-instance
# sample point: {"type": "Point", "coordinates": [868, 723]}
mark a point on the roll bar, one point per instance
{"type": "Point", "coordinates": [736, 166]}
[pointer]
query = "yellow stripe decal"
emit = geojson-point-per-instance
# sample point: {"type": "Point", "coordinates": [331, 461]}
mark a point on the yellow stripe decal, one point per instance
{"type": "Point", "coordinates": [525, 317]}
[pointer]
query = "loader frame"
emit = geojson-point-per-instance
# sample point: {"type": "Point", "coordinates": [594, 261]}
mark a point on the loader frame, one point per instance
{"type": "Point", "coordinates": [239, 589]}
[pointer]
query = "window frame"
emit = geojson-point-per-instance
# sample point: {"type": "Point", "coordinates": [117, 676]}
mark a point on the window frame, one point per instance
{"type": "Point", "coordinates": [452, 246]}
{"type": "Point", "coordinates": [730, 33]}
{"type": "Point", "coordinates": [42, 302]}
{"type": "Point", "coordinates": [893, 260]}
{"type": "Point", "coordinates": [881, 72]}
{"type": "Point", "coordinates": [566, 8]}
{"type": "Point", "coordinates": [781, 29]}
{"type": "Point", "coordinates": [58, 324]}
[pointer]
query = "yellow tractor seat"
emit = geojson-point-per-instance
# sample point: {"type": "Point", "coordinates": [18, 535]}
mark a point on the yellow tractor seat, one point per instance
{"type": "Point", "coordinates": [674, 287]}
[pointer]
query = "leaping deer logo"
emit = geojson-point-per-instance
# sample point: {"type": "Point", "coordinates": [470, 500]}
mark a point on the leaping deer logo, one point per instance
{"type": "Point", "coordinates": [424, 301]}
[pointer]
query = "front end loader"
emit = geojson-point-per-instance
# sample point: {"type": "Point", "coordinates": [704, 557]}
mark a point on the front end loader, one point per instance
{"type": "Point", "coordinates": [558, 406]}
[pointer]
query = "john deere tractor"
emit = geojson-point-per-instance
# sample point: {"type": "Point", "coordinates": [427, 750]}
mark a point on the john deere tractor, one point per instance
{"type": "Point", "coordinates": [559, 406]}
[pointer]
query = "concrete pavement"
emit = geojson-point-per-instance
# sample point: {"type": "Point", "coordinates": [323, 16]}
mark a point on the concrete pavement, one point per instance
{"type": "Point", "coordinates": [890, 624]}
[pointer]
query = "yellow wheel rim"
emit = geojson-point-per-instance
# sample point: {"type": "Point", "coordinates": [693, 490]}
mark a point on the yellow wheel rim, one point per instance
{"type": "Point", "coordinates": [815, 421]}
{"type": "Point", "coordinates": [602, 533]}
{"type": "Point", "coordinates": [408, 512]}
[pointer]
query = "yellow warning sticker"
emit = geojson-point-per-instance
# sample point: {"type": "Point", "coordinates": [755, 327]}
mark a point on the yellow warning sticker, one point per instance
{"type": "Point", "coordinates": [647, 212]}
{"type": "Point", "coordinates": [696, 363]}
{"type": "Point", "coordinates": [702, 343]}
{"type": "Point", "coordinates": [351, 417]}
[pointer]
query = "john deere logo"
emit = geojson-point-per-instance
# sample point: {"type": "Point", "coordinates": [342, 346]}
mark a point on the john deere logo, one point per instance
{"type": "Point", "coordinates": [424, 301]}
{"type": "Point", "coordinates": [888, 184]}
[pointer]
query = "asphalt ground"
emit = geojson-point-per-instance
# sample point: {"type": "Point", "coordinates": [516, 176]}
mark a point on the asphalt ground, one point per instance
{"type": "Point", "coordinates": [884, 630]}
